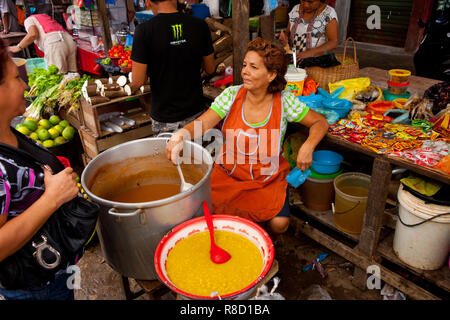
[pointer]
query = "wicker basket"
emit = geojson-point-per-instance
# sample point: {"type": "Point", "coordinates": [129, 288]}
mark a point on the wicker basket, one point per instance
{"type": "Point", "coordinates": [324, 76]}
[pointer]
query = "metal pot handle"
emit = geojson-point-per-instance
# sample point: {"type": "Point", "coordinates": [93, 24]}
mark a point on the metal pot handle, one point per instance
{"type": "Point", "coordinates": [114, 212]}
{"type": "Point", "coordinates": [163, 134]}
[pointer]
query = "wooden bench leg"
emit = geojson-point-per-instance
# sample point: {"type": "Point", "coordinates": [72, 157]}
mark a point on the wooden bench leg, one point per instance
{"type": "Point", "coordinates": [126, 288]}
{"type": "Point", "coordinates": [376, 202]}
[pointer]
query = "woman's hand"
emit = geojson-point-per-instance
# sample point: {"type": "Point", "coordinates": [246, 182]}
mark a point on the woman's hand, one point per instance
{"type": "Point", "coordinates": [14, 49]}
{"type": "Point", "coordinates": [304, 157]}
{"type": "Point", "coordinates": [304, 54]}
{"type": "Point", "coordinates": [174, 147]}
{"type": "Point", "coordinates": [60, 187]}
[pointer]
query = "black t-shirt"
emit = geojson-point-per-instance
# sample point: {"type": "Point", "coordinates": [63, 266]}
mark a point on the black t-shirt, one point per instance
{"type": "Point", "coordinates": [173, 46]}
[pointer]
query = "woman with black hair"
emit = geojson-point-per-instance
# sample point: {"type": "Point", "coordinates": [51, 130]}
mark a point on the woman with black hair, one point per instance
{"type": "Point", "coordinates": [312, 29]}
{"type": "Point", "coordinates": [28, 198]}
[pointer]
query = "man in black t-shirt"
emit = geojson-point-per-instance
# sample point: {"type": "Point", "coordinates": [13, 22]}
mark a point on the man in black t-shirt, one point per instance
{"type": "Point", "coordinates": [170, 48]}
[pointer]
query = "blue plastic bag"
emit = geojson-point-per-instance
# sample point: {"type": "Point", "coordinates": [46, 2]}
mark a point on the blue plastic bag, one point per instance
{"type": "Point", "coordinates": [297, 177]}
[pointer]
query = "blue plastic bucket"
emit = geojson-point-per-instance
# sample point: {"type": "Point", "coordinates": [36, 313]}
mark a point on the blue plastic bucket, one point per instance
{"type": "Point", "coordinates": [326, 161]}
{"type": "Point", "coordinates": [200, 10]}
{"type": "Point", "coordinates": [34, 63]}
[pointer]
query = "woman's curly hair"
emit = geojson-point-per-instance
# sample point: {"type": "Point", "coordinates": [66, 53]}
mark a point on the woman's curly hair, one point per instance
{"type": "Point", "coordinates": [3, 60]}
{"type": "Point", "coordinates": [275, 60]}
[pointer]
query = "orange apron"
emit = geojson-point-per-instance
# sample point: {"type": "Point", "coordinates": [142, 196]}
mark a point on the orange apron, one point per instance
{"type": "Point", "coordinates": [249, 176]}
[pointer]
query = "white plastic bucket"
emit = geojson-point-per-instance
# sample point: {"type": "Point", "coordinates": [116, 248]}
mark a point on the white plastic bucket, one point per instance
{"type": "Point", "coordinates": [425, 246]}
{"type": "Point", "coordinates": [295, 80]}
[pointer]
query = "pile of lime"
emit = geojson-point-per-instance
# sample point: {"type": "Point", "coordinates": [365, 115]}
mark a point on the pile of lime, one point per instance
{"type": "Point", "coordinates": [48, 132]}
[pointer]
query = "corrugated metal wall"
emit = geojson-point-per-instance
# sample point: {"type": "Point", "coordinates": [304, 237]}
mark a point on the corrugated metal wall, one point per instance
{"type": "Point", "coordinates": [395, 16]}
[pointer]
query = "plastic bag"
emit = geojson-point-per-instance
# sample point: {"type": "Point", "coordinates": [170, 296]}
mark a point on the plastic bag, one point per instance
{"type": "Point", "coordinates": [269, 5]}
{"type": "Point", "coordinates": [444, 164]}
{"type": "Point", "coordinates": [297, 177]}
{"type": "Point", "coordinates": [213, 6]}
{"type": "Point", "coordinates": [310, 86]}
{"type": "Point", "coordinates": [352, 86]}
{"type": "Point", "coordinates": [263, 293]}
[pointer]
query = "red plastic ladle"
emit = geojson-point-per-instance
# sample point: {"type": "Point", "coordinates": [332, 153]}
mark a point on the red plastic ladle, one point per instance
{"type": "Point", "coordinates": [218, 255]}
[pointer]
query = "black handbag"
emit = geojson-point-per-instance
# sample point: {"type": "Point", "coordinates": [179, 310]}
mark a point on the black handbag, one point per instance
{"type": "Point", "coordinates": [324, 61]}
{"type": "Point", "coordinates": [61, 240]}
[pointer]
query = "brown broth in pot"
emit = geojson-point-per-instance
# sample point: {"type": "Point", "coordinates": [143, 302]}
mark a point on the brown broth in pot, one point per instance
{"type": "Point", "coordinates": [147, 193]}
{"type": "Point", "coordinates": [142, 179]}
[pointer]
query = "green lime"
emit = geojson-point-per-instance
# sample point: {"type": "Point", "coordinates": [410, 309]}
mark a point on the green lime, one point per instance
{"type": "Point", "coordinates": [31, 124]}
{"type": "Point", "coordinates": [64, 123]}
{"type": "Point", "coordinates": [59, 140]}
{"type": "Point", "coordinates": [39, 141]}
{"type": "Point", "coordinates": [48, 143]}
{"type": "Point", "coordinates": [20, 125]}
{"type": "Point", "coordinates": [59, 128]}
{"type": "Point", "coordinates": [54, 120]}
{"type": "Point", "coordinates": [53, 133]}
{"type": "Point", "coordinates": [68, 133]}
{"type": "Point", "coordinates": [77, 179]}
{"type": "Point", "coordinates": [34, 136]}
{"type": "Point", "coordinates": [39, 128]}
{"type": "Point", "coordinates": [24, 130]}
{"type": "Point", "coordinates": [45, 123]}
{"type": "Point", "coordinates": [43, 134]}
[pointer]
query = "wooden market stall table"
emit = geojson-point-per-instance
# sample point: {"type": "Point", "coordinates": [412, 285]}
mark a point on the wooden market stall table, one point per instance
{"type": "Point", "coordinates": [373, 246]}
{"type": "Point", "coordinates": [12, 38]}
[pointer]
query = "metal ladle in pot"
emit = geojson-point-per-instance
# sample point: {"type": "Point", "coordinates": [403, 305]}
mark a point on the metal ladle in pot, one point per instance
{"type": "Point", "coordinates": [184, 185]}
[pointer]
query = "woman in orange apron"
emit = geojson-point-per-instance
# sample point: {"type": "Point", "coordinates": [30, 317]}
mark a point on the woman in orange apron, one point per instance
{"type": "Point", "coordinates": [249, 175]}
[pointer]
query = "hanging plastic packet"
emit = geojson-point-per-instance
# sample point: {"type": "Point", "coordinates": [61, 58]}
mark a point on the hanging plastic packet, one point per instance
{"type": "Point", "coordinates": [297, 177]}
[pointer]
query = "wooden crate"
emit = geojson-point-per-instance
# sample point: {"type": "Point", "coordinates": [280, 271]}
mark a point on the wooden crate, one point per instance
{"type": "Point", "coordinates": [93, 145]}
{"type": "Point", "coordinates": [75, 118]}
{"type": "Point", "coordinates": [86, 159]}
{"type": "Point", "coordinates": [129, 106]}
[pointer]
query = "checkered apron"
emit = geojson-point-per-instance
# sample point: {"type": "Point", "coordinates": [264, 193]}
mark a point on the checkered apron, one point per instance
{"type": "Point", "coordinates": [302, 42]}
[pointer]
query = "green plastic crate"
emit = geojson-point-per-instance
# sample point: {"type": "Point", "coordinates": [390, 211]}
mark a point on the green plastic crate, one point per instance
{"type": "Point", "coordinates": [34, 63]}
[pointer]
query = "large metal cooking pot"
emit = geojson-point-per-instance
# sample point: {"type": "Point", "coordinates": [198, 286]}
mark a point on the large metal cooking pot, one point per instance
{"type": "Point", "coordinates": [130, 232]}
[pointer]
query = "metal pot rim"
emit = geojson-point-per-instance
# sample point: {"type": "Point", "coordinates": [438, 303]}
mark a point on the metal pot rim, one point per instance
{"type": "Point", "coordinates": [150, 204]}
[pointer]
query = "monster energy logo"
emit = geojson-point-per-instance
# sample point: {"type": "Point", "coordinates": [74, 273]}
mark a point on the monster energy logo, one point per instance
{"type": "Point", "coordinates": [177, 31]}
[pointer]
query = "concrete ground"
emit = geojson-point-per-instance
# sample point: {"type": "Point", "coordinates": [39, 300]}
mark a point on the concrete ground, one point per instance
{"type": "Point", "coordinates": [100, 282]}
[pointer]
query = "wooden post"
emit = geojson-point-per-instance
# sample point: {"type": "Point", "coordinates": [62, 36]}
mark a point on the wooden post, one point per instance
{"type": "Point", "coordinates": [268, 26]}
{"type": "Point", "coordinates": [104, 24]}
{"type": "Point", "coordinates": [376, 202]}
{"type": "Point", "coordinates": [241, 37]}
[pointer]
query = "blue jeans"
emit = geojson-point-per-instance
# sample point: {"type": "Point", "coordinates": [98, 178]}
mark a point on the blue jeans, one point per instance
{"type": "Point", "coordinates": [55, 290]}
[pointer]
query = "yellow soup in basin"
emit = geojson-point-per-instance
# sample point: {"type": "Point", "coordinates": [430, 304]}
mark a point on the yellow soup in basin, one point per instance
{"type": "Point", "coordinates": [190, 268]}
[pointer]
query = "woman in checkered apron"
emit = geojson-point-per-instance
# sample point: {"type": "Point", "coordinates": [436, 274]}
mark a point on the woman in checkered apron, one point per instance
{"type": "Point", "coordinates": [312, 29]}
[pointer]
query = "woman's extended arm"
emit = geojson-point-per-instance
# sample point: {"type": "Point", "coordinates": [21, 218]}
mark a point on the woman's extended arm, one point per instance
{"type": "Point", "coordinates": [208, 121]}
{"type": "Point", "coordinates": [32, 35]}
{"type": "Point", "coordinates": [318, 127]}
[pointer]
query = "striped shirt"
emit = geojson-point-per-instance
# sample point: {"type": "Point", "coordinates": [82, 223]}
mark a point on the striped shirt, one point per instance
{"type": "Point", "coordinates": [20, 187]}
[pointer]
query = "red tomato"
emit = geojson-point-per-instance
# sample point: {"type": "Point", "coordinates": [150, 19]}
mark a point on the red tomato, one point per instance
{"type": "Point", "coordinates": [120, 47]}
{"type": "Point", "coordinates": [130, 64]}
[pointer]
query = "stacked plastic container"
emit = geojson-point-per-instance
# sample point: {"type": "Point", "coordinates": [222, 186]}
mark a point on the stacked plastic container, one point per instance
{"type": "Point", "coordinates": [398, 81]}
